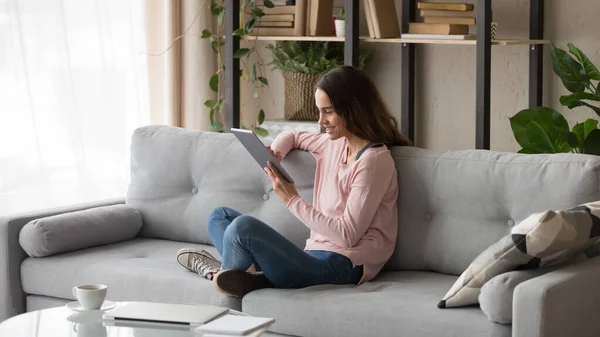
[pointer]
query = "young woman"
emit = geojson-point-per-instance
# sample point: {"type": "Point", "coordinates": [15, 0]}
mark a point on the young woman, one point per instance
{"type": "Point", "coordinates": [353, 218]}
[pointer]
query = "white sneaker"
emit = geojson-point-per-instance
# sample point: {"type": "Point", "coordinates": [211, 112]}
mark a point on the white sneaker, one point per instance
{"type": "Point", "coordinates": [199, 261]}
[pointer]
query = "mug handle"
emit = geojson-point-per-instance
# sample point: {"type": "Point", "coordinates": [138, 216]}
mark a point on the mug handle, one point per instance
{"type": "Point", "coordinates": [74, 293]}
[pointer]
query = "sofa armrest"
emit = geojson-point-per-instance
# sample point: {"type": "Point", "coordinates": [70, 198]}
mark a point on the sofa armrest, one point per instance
{"type": "Point", "coordinates": [12, 255]}
{"type": "Point", "coordinates": [564, 302]}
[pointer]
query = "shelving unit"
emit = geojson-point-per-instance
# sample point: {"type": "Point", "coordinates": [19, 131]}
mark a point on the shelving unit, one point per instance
{"type": "Point", "coordinates": [483, 44]}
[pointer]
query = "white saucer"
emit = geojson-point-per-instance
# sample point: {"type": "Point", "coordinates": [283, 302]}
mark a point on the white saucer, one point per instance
{"type": "Point", "coordinates": [76, 306]}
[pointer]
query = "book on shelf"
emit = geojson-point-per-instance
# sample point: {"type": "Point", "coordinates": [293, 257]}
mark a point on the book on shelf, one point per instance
{"type": "Point", "coordinates": [320, 14]}
{"type": "Point", "coordinates": [302, 18]}
{"type": "Point", "coordinates": [437, 28]}
{"type": "Point", "coordinates": [277, 18]}
{"type": "Point", "coordinates": [449, 20]}
{"type": "Point", "coordinates": [273, 31]}
{"type": "Point", "coordinates": [438, 36]}
{"type": "Point", "coordinates": [275, 24]}
{"type": "Point", "coordinates": [383, 19]}
{"type": "Point", "coordinates": [435, 13]}
{"type": "Point", "coordinates": [445, 6]}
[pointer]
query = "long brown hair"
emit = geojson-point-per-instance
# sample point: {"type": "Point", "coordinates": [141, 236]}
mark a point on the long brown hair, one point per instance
{"type": "Point", "coordinates": [355, 97]}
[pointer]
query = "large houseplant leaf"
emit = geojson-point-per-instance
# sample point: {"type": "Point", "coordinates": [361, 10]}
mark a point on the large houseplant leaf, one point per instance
{"type": "Point", "coordinates": [569, 70]}
{"type": "Point", "coordinates": [550, 130]}
{"type": "Point", "coordinates": [582, 131]}
{"type": "Point", "coordinates": [575, 100]}
{"type": "Point", "coordinates": [590, 69]}
{"type": "Point", "coordinates": [592, 143]}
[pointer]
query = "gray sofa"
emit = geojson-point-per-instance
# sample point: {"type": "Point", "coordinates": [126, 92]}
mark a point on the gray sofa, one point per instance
{"type": "Point", "coordinates": [452, 205]}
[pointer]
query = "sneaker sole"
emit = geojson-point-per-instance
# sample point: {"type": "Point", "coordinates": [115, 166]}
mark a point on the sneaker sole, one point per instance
{"type": "Point", "coordinates": [238, 283]}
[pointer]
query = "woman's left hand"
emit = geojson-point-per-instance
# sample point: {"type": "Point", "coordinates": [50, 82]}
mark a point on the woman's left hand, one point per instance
{"type": "Point", "coordinates": [284, 190]}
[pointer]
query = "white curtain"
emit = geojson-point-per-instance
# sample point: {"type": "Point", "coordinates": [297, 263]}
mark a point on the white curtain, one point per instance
{"type": "Point", "coordinates": [73, 87]}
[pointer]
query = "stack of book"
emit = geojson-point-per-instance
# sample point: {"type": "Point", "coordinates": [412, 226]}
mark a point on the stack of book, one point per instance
{"type": "Point", "coordinates": [443, 21]}
{"type": "Point", "coordinates": [301, 18]}
{"type": "Point", "coordinates": [382, 21]}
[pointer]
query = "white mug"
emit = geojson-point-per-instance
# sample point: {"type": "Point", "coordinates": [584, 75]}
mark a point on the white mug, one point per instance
{"type": "Point", "coordinates": [90, 296]}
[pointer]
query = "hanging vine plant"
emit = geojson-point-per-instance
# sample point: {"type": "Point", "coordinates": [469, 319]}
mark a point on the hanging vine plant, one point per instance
{"type": "Point", "coordinates": [251, 70]}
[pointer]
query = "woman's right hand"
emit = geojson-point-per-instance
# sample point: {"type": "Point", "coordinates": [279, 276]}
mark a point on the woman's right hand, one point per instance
{"type": "Point", "coordinates": [277, 155]}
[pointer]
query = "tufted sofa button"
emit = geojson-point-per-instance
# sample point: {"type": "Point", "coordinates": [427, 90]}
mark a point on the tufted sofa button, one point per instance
{"type": "Point", "coordinates": [428, 217]}
{"type": "Point", "coordinates": [510, 222]}
{"type": "Point", "coordinates": [266, 196]}
{"type": "Point", "coordinates": [194, 190]}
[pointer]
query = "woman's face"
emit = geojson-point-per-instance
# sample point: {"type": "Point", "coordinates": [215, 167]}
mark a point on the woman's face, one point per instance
{"type": "Point", "coordinates": [335, 125]}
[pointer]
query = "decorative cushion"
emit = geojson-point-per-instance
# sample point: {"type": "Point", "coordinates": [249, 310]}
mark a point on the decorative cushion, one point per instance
{"type": "Point", "coordinates": [542, 239]}
{"type": "Point", "coordinates": [82, 229]}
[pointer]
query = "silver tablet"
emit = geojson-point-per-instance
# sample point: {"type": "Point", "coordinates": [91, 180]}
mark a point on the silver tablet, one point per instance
{"type": "Point", "coordinates": [259, 151]}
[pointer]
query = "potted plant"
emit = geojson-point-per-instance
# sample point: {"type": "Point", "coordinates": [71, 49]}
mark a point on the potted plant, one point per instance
{"type": "Point", "coordinates": [545, 130]}
{"type": "Point", "coordinates": [340, 23]}
{"type": "Point", "coordinates": [302, 63]}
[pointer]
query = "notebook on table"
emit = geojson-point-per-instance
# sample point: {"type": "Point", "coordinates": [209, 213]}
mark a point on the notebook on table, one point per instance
{"type": "Point", "coordinates": [234, 325]}
{"type": "Point", "coordinates": [149, 312]}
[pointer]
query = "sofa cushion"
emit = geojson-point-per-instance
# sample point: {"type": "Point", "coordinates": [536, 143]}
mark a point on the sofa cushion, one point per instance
{"type": "Point", "coordinates": [199, 171]}
{"type": "Point", "coordinates": [141, 269]}
{"type": "Point", "coordinates": [447, 196]}
{"type": "Point", "coordinates": [404, 303]}
{"type": "Point", "coordinates": [543, 239]}
{"type": "Point", "coordinates": [81, 229]}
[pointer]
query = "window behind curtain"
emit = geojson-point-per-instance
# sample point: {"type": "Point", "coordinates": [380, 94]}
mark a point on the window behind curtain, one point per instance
{"type": "Point", "coordinates": [73, 88]}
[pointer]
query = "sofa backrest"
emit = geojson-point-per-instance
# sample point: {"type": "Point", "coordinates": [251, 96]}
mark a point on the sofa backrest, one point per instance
{"type": "Point", "coordinates": [451, 204]}
{"type": "Point", "coordinates": [179, 176]}
{"type": "Point", "coordinates": [454, 204]}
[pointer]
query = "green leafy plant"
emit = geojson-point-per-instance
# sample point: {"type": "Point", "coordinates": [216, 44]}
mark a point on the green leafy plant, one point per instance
{"type": "Point", "coordinates": [252, 71]}
{"type": "Point", "coordinates": [545, 130]}
{"type": "Point", "coordinates": [311, 57]}
{"type": "Point", "coordinates": [342, 14]}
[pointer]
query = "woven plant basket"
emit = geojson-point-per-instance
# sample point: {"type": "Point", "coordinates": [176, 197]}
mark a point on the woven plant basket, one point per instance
{"type": "Point", "coordinates": [300, 96]}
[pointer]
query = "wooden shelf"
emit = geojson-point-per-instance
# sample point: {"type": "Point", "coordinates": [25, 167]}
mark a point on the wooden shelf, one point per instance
{"type": "Point", "coordinates": [294, 38]}
{"type": "Point", "coordinates": [499, 42]}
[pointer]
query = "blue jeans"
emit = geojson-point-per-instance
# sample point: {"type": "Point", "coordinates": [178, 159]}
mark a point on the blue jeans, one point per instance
{"type": "Point", "coordinates": [243, 240]}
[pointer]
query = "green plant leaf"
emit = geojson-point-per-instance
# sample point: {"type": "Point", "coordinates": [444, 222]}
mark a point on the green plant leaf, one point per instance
{"type": "Point", "coordinates": [218, 126]}
{"type": "Point", "coordinates": [539, 140]}
{"type": "Point", "coordinates": [269, 4]}
{"type": "Point", "coordinates": [567, 100]}
{"type": "Point", "coordinates": [250, 25]}
{"type": "Point", "coordinates": [214, 83]}
{"type": "Point", "coordinates": [590, 69]}
{"type": "Point", "coordinates": [210, 103]}
{"type": "Point", "coordinates": [241, 52]}
{"type": "Point", "coordinates": [598, 88]}
{"type": "Point", "coordinates": [255, 92]}
{"type": "Point", "coordinates": [215, 46]}
{"type": "Point", "coordinates": [261, 116]}
{"type": "Point", "coordinates": [261, 131]}
{"type": "Point", "coordinates": [569, 70]}
{"type": "Point", "coordinates": [243, 126]}
{"type": "Point", "coordinates": [211, 118]}
{"type": "Point", "coordinates": [257, 12]}
{"type": "Point", "coordinates": [553, 124]}
{"type": "Point", "coordinates": [206, 34]}
{"type": "Point", "coordinates": [253, 73]}
{"type": "Point", "coordinates": [592, 143]}
{"type": "Point", "coordinates": [215, 9]}
{"type": "Point", "coordinates": [263, 80]}
{"type": "Point", "coordinates": [238, 32]}
{"type": "Point", "coordinates": [576, 103]}
{"type": "Point", "coordinates": [220, 18]}
{"type": "Point", "coordinates": [574, 142]}
{"type": "Point", "coordinates": [582, 130]}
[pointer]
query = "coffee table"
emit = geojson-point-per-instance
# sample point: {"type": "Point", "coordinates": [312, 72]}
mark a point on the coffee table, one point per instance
{"type": "Point", "coordinates": [63, 322]}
